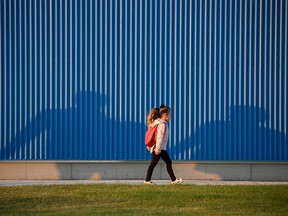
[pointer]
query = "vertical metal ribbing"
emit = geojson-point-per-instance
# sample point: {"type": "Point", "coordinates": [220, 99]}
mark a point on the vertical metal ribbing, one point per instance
{"type": "Point", "coordinates": [256, 72]}
{"type": "Point", "coordinates": [285, 83]}
{"type": "Point", "coordinates": [276, 81]}
{"type": "Point", "coordinates": [204, 77]}
{"type": "Point", "coordinates": [121, 77]}
{"type": "Point", "coordinates": [179, 84]}
{"type": "Point", "coordinates": [209, 85]}
{"type": "Point", "coordinates": [139, 27]}
{"type": "Point", "coordinates": [91, 78]}
{"type": "Point", "coordinates": [10, 82]}
{"type": "Point", "coordinates": [249, 72]}
{"type": "Point", "coordinates": [269, 88]}
{"type": "Point", "coordinates": [137, 96]}
{"type": "Point", "coordinates": [230, 91]}
{"type": "Point", "coordinates": [184, 147]}
{"type": "Point", "coordinates": [79, 77]}
{"type": "Point", "coordinates": [24, 81]}
{"type": "Point", "coordinates": [71, 70]}
{"type": "Point", "coordinates": [60, 75]}
{"type": "Point", "coordinates": [225, 82]}
{"type": "Point", "coordinates": [40, 82]}
{"type": "Point", "coordinates": [105, 92]}
{"type": "Point", "coordinates": [279, 87]}
{"type": "Point", "coordinates": [132, 82]}
{"type": "Point", "coordinates": [111, 81]}
{"type": "Point", "coordinates": [6, 61]}
{"type": "Point", "coordinates": [85, 81]}
{"type": "Point", "coordinates": [260, 75]}
{"type": "Point", "coordinates": [265, 95]}
{"type": "Point", "coordinates": [34, 84]}
{"type": "Point", "coordinates": [200, 81]}
{"type": "Point", "coordinates": [194, 83]}
{"type": "Point", "coordinates": [6, 127]}
{"type": "Point", "coordinates": [234, 78]}
{"type": "Point", "coordinates": [169, 58]}
{"type": "Point", "coordinates": [116, 134]}
{"type": "Point", "coordinates": [13, 79]}
{"type": "Point", "coordinates": [2, 141]}
{"type": "Point", "coordinates": [54, 70]}
{"type": "Point", "coordinates": [64, 149]}
{"type": "Point", "coordinates": [75, 84]}
{"type": "Point", "coordinates": [189, 152]}
{"type": "Point", "coordinates": [174, 84]}
{"type": "Point", "coordinates": [1, 85]}
{"type": "Point", "coordinates": [124, 74]}
{"type": "Point", "coordinates": [151, 54]}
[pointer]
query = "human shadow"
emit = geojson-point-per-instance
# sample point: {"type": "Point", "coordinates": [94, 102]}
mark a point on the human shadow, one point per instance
{"type": "Point", "coordinates": [90, 129]}
{"type": "Point", "coordinates": [245, 135]}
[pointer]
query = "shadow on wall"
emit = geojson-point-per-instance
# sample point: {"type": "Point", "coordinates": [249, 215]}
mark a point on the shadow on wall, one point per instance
{"type": "Point", "coordinates": [245, 135]}
{"type": "Point", "coordinates": [91, 129]}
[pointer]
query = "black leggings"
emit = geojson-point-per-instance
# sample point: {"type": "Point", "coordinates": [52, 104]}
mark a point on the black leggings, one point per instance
{"type": "Point", "coordinates": [155, 158]}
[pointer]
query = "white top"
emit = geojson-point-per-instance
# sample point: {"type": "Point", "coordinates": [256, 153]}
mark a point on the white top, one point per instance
{"type": "Point", "coordinates": [162, 134]}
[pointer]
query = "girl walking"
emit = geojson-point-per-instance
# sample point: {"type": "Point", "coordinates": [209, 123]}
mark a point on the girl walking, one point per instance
{"type": "Point", "coordinates": [161, 117]}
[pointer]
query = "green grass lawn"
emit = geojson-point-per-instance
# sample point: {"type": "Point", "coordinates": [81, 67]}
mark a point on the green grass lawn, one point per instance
{"type": "Point", "coordinates": [101, 199]}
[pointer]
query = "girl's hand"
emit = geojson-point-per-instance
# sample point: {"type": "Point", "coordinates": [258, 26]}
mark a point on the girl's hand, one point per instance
{"type": "Point", "coordinates": [157, 153]}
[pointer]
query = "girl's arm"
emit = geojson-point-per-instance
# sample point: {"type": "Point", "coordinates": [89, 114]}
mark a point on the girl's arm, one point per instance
{"type": "Point", "coordinates": [160, 137]}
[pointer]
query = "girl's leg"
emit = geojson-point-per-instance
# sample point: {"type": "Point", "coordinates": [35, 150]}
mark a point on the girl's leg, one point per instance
{"type": "Point", "coordinates": [165, 156]}
{"type": "Point", "coordinates": [154, 161]}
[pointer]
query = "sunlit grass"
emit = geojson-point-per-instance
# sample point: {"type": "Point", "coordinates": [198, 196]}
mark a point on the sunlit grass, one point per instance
{"type": "Point", "coordinates": [101, 199]}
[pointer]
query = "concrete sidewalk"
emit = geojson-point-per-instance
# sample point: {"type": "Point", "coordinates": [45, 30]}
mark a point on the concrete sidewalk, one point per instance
{"type": "Point", "coordinates": [131, 182]}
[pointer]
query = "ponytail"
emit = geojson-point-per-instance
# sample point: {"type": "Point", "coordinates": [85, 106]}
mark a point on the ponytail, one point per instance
{"type": "Point", "coordinates": [154, 114]}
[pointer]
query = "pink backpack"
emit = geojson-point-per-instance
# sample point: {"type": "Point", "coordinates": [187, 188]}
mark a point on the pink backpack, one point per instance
{"type": "Point", "coordinates": [150, 139]}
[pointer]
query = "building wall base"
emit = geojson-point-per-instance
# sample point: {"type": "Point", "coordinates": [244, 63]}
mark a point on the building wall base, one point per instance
{"type": "Point", "coordinates": [121, 170]}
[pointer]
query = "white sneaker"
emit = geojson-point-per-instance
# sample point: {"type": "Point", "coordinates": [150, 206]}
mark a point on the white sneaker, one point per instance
{"type": "Point", "coordinates": [177, 181]}
{"type": "Point", "coordinates": [149, 183]}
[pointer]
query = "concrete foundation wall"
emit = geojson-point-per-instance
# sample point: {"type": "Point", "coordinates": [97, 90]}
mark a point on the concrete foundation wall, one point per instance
{"type": "Point", "coordinates": [119, 170]}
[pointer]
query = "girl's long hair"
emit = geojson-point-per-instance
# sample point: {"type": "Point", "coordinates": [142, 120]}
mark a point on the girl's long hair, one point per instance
{"type": "Point", "coordinates": [157, 113]}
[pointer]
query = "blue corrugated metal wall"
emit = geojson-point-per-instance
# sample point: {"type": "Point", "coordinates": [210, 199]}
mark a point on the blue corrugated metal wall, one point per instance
{"type": "Point", "coordinates": [79, 77]}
